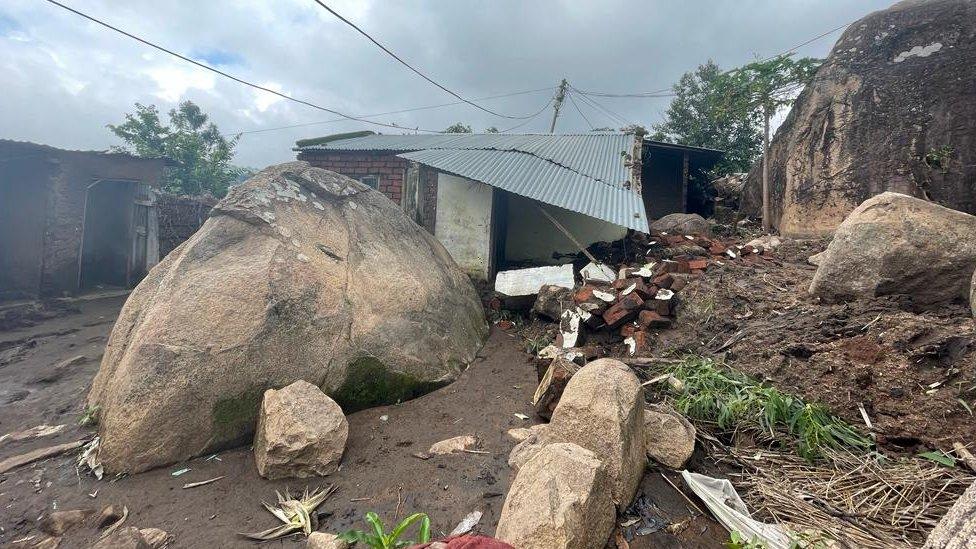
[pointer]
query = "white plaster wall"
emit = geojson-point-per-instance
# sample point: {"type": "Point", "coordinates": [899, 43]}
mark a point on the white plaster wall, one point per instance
{"type": "Point", "coordinates": [463, 223]}
{"type": "Point", "coordinates": [533, 238]}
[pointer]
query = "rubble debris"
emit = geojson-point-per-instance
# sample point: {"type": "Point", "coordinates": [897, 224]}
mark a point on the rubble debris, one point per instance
{"type": "Point", "coordinates": [323, 540]}
{"type": "Point", "coordinates": [209, 317]}
{"type": "Point", "coordinates": [13, 462]}
{"type": "Point", "coordinates": [578, 515]}
{"type": "Point", "coordinates": [594, 272]}
{"type": "Point", "coordinates": [301, 433]}
{"type": "Point", "coordinates": [59, 522]}
{"type": "Point", "coordinates": [110, 514]}
{"type": "Point", "coordinates": [523, 282]}
{"type": "Point", "coordinates": [897, 244]}
{"type": "Point", "coordinates": [552, 385]}
{"type": "Point", "coordinates": [552, 301]}
{"type": "Point", "coordinates": [467, 523]}
{"type": "Point", "coordinates": [453, 445]}
{"type": "Point", "coordinates": [724, 502]}
{"type": "Point", "coordinates": [37, 431]}
{"type": "Point", "coordinates": [602, 409]}
{"type": "Point", "coordinates": [670, 437]}
{"type": "Point", "coordinates": [156, 538]}
{"type": "Point", "coordinates": [125, 538]}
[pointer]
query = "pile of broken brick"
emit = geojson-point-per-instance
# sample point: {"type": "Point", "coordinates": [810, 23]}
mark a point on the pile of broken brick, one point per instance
{"type": "Point", "coordinates": [634, 299]}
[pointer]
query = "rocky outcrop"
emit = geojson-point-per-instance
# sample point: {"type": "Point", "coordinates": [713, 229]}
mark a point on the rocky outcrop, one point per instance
{"type": "Point", "coordinates": [682, 223]}
{"type": "Point", "coordinates": [301, 433]}
{"type": "Point", "coordinates": [670, 437]}
{"type": "Point", "coordinates": [893, 108]}
{"type": "Point", "coordinates": [896, 244]}
{"type": "Point", "coordinates": [602, 410]}
{"type": "Point", "coordinates": [560, 499]}
{"type": "Point", "coordinates": [972, 294]}
{"type": "Point", "coordinates": [299, 273]}
{"type": "Point", "coordinates": [957, 529]}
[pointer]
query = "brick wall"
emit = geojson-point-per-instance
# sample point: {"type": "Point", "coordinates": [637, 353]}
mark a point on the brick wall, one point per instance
{"type": "Point", "coordinates": [390, 169]}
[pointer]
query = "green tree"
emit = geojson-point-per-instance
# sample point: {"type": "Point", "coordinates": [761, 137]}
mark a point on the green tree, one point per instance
{"type": "Point", "coordinates": [704, 114]}
{"type": "Point", "coordinates": [200, 156]}
{"type": "Point", "coordinates": [457, 127]}
{"type": "Point", "coordinates": [491, 129]}
{"type": "Point", "coordinates": [765, 86]}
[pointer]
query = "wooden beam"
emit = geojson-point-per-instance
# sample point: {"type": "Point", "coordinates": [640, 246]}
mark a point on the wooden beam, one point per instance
{"type": "Point", "coordinates": [568, 234]}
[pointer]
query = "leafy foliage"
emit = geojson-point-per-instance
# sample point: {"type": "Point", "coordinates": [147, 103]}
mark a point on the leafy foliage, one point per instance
{"type": "Point", "coordinates": [457, 127]}
{"type": "Point", "coordinates": [766, 85]}
{"type": "Point", "coordinates": [732, 401]}
{"type": "Point", "coordinates": [200, 155]}
{"type": "Point", "coordinates": [704, 114]}
{"type": "Point", "coordinates": [379, 539]}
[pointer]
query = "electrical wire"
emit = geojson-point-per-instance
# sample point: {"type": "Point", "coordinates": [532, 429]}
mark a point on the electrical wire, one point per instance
{"type": "Point", "coordinates": [613, 117]}
{"type": "Point", "coordinates": [415, 70]}
{"type": "Point", "coordinates": [587, 120]}
{"type": "Point", "coordinates": [520, 124]}
{"type": "Point", "coordinates": [414, 109]}
{"type": "Point", "coordinates": [232, 77]}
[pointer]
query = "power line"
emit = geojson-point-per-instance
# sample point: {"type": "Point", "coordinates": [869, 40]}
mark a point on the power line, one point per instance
{"type": "Point", "coordinates": [614, 117]}
{"type": "Point", "coordinates": [520, 124]}
{"type": "Point", "coordinates": [587, 120]}
{"type": "Point", "coordinates": [412, 68]}
{"type": "Point", "coordinates": [230, 76]}
{"type": "Point", "coordinates": [427, 107]}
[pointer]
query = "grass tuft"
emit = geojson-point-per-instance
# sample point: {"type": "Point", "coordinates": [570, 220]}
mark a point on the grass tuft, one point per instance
{"type": "Point", "coordinates": [732, 401]}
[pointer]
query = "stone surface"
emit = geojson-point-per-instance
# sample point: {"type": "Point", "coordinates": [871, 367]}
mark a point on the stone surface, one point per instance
{"type": "Point", "coordinates": [453, 445]}
{"type": "Point", "coordinates": [670, 437]}
{"type": "Point", "coordinates": [896, 244]}
{"type": "Point", "coordinates": [299, 273]}
{"type": "Point", "coordinates": [957, 528]}
{"type": "Point", "coordinates": [602, 410]}
{"type": "Point", "coordinates": [301, 433]}
{"type": "Point", "coordinates": [682, 223]}
{"type": "Point", "coordinates": [323, 540]}
{"type": "Point", "coordinates": [894, 92]}
{"type": "Point", "coordinates": [155, 537]}
{"type": "Point", "coordinates": [127, 537]}
{"type": "Point", "coordinates": [59, 522]}
{"type": "Point", "coordinates": [538, 437]}
{"type": "Point", "coordinates": [972, 294]}
{"type": "Point", "coordinates": [560, 499]}
{"type": "Point", "coordinates": [552, 301]}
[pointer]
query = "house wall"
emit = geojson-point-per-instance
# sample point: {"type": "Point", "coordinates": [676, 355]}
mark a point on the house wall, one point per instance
{"type": "Point", "coordinates": [463, 225]}
{"type": "Point", "coordinates": [390, 168]}
{"type": "Point", "coordinates": [48, 245]}
{"type": "Point", "coordinates": [661, 187]}
{"type": "Point", "coordinates": [179, 218]}
{"type": "Point", "coordinates": [532, 239]}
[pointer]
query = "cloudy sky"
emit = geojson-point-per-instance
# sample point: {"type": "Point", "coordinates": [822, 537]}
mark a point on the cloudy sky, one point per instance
{"type": "Point", "coordinates": [65, 78]}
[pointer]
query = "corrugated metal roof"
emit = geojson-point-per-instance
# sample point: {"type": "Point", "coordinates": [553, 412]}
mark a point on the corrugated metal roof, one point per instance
{"type": "Point", "coordinates": [585, 173]}
{"type": "Point", "coordinates": [541, 180]}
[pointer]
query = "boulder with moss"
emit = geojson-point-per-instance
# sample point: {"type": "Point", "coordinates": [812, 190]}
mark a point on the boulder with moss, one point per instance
{"type": "Point", "coordinates": [298, 274]}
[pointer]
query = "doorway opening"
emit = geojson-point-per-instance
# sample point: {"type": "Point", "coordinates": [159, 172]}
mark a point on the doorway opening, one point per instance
{"type": "Point", "coordinates": [107, 246]}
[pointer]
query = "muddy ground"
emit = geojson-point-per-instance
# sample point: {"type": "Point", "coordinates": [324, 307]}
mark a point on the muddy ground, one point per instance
{"type": "Point", "coordinates": [42, 381]}
{"type": "Point", "coordinates": [914, 373]}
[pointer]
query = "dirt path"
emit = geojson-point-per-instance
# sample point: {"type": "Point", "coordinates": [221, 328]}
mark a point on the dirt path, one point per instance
{"type": "Point", "coordinates": [378, 473]}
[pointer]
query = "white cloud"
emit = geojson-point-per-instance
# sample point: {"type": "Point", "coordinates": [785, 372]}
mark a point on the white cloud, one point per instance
{"type": "Point", "coordinates": [173, 82]}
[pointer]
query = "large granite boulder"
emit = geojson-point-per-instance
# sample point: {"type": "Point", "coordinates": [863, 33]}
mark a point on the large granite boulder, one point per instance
{"type": "Point", "coordinates": [682, 223]}
{"type": "Point", "coordinates": [301, 433]}
{"type": "Point", "coordinates": [560, 499]}
{"type": "Point", "coordinates": [896, 244]}
{"type": "Point", "coordinates": [299, 273]}
{"type": "Point", "coordinates": [892, 109]}
{"type": "Point", "coordinates": [602, 410]}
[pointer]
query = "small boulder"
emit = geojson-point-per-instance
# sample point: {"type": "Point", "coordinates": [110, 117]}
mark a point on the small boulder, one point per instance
{"type": "Point", "coordinates": [560, 499]}
{"type": "Point", "coordinates": [323, 540]}
{"type": "Point", "coordinates": [682, 223]}
{"type": "Point", "coordinates": [301, 433]}
{"type": "Point", "coordinates": [110, 514]}
{"type": "Point", "coordinates": [59, 522]}
{"type": "Point", "coordinates": [453, 445]}
{"type": "Point", "coordinates": [602, 410]}
{"type": "Point", "coordinates": [124, 538]}
{"type": "Point", "coordinates": [155, 537]}
{"type": "Point", "coordinates": [552, 300]}
{"type": "Point", "coordinates": [670, 437]}
{"type": "Point", "coordinates": [539, 436]}
{"type": "Point", "coordinates": [896, 244]}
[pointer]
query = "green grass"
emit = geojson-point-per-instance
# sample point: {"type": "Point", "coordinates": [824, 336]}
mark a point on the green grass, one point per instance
{"type": "Point", "coordinates": [734, 401]}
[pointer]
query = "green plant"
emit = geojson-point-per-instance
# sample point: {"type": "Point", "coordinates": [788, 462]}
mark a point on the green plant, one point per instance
{"type": "Point", "coordinates": [535, 344]}
{"type": "Point", "coordinates": [939, 158]}
{"type": "Point", "coordinates": [733, 400]}
{"type": "Point", "coordinates": [738, 541]}
{"type": "Point", "coordinates": [378, 539]}
{"type": "Point", "coordinates": [89, 416]}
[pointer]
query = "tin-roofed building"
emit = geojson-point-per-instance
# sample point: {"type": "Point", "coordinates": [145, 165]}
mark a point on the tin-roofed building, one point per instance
{"type": "Point", "coordinates": [495, 200]}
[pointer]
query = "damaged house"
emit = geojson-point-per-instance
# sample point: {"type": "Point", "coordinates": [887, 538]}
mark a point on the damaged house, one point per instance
{"type": "Point", "coordinates": [499, 201]}
{"type": "Point", "coordinates": [74, 220]}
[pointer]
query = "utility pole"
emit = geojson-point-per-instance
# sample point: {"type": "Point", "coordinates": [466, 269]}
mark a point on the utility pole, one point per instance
{"type": "Point", "coordinates": [560, 95]}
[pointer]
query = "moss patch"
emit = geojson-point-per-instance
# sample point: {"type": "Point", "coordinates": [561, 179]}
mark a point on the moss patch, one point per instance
{"type": "Point", "coordinates": [370, 383]}
{"type": "Point", "coordinates": [235, 418]}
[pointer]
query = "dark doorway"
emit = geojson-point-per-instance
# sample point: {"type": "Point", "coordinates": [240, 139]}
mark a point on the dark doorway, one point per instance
{"type": "Point", "coordinates": [106, 243]}
{"type": "Point", "coordinates": [22, 213]}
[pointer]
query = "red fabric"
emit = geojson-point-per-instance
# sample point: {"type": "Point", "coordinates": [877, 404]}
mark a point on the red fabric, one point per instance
{"type": "Point", "coordinates": [468, 542]}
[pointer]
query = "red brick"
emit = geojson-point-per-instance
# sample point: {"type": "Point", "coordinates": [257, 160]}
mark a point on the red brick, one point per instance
{"type": "Point", "coordinates": [663, 280]}
{"type": "Point", "coordinates": [652, 319]}
{"type": "Point", "coordinates": [699, 264]}
{"type": "Point", "coordinates": [627, 330]}
{"type": "Point", "coordinates": [623, 310]}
